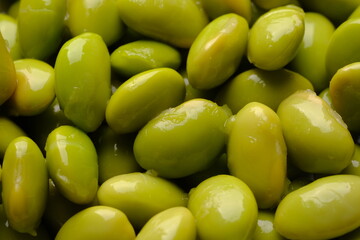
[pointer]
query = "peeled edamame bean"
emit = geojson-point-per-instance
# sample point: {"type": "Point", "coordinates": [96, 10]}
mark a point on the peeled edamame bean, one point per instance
{"type": "Point", "coordinates": [265, 229]}
{"type": "Point", "coordinates": [142, 55]}
{"type": "Point", "coordinates": [99, 16]}
{"type": "Point", "coordinates": [142, 97]}
{"type": "Point", "coordinates": [208, 67]}
{"type": "Point", "coordinates": [35, 89]}
{"type": "Point", "coordinates": [256, 85]}
{"type": "Point", "coordinates": [82, 86]}
{"type": "Point", "coordinates": [178, 142]}
{"type": "Point", "coordinates": [224, 208]}
{"type": "Point", "coordinates": [97, 222]}
{"type": "Point", "coordinates": [216, 8]}
{"type": "Point", "coordinates": [7, 73]}
{"type": "Point", "coordinates": [257, 153]}
{"type": "Point", "coordinates": [316, 137]}
{"type": "Point", "coordinates": [310, 60]}
{"type": "Point", "coordinates": [324, 209]}
{"type": "Point", "coordinates": [24, 185]}
{"type": "Point", "coordinates": [9, 31]}
{"type": "Point", "coordinates": [9, 131]}
{"type": "Point", "coordinates": [177, 222]}
{"type": "Point", "coordinates": [354, 167]}
{"type": "Point", "coordinates": [275, 37]}
{"type": "Point", "coordinates": [343, 47]}
{"type": "Point", "coordinates": [72, 164]}
{"type": "Point", "coordinates": [152, 19]}
{"type": "Point", "coordinates": [344, 91]}
{"type": "Point", "coordinates": [140, 196]}
{"type": "Point", "coordinates": [40, 26]}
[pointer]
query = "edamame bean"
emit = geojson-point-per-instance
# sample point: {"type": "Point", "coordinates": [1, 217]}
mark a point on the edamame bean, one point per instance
{"type": "Point", "coordinates": [40, 26]}
{"type": "Point", "coordinates": [224, 208]}
{"type": "Point", "coordinates": [9, 31]}
{"type": "Point", "coordinates": [99, 16]}
{"type": "Point", "coordinates": [207, 66]}
{"type": "Point", "coordinates": [324, 209]}
{"type": "Point", "coordinates": [310, 60]}
{"type": "Point", "coordinates": [142, 55]}
{"type": "Point", "coordinates": [257, 153]}
{"type": "Point", "coordinates": [177, 223]}
{"type": "Point", "coordinates": [9, 131]}
{"type": "Point", "coordinates": [343, 47]}
{"type": "Point", "coordinates": [142, 97]}
{"type": "Point", "coordinates": [256, 85]}
{"type": "Point", "coordinates": [316, 137]}
{"type": "Point", "coordinates": [7, 73]}
{"type": "Point", "coordinates": [354, 167]}
{"type": "Point", "coordinates": [24, 185]}
{"type": "Point", "coordinates": [152, 19]}
{"type": "Point", "coordinates": [344, 91]}
{"type": "Point", "coordinates": [265, 229]}
{"type": "Point", "coordinates": [72, 164]}
{"type": "Point", "coordinates": [275, 37]}
{"type": "Point", "coordinates": [178, 142]}
{"type": "Point", "coordinates": [82, 86]}
{"type": "Point", "coordinates": [140, 196]}
{"type": "Point", "coordinates": [35, 89]}
{"type": "Point", "coordinates": [106, 223]}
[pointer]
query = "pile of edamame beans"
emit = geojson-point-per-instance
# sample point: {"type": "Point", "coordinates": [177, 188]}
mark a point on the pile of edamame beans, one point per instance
{"type": "Point", "coordinates": [180, 119]}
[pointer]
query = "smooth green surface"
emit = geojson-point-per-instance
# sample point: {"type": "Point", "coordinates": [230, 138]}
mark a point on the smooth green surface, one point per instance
{"type": "Point", "coordinates": [142, 55]}
{"type": "Point", "coordinates": [257, 153]}
{"type": "Point", "coordinates": [343, 47]}
{"type": "Point", "coordinates": [269, 4]}
{"type": "Point", "coordinates": [9, 31]}
{"type": "Point", "coordinates": [40, 26]}
{"type": "Point", "coordinates": [183, 140]}
{"type": "Point", "coordinates": [9, 131]}
{"type": "Point", "coordinates": [24, 185]}
{"type": "Point", "coordinates": [336, 10]}
{"type": "Point", "coordinates": [354, 167]}
{"type": "Point", "coordinates": [97, 16]}
{"type": "Point", "coordinates": [175, 223]}
{"type": "Point", "coordinates": [152, 19]}
{"type": "Point", "coordinates": [316, 137]}
{"type": "Point", "coordinates": [275, 37]}
{"type": "Point", "coordinates": [72, 164]}
{"type": "Point", "coordinates": [324, 209]}
{"type": "Point", "coordinates": [7, 73]}
{"type": "Point", "coordinates": [142, 97]}
{"type": "Point", "coordinates": [115, 154]}
{"type": "Point", "coordinates": [310, 60]}
{"type": "Point", "coordinates": [35, 89]}
{"type": "Point", "coordinates": [265, 229]}
{"type": "Point", "coordinates": [106, 223]}
{"type": "Point", "coordinates": [83, 73]}
{"type": "Point", "coordinates": [224, 208]}
{"type": "Point", "coordinates": [344, 91]}
{"type": "Point", "coordinates": [256, 85]}
{"type": "Point", "coordinates": [217, 51]}
{"type": "Point", "coordinates": [140, 196]}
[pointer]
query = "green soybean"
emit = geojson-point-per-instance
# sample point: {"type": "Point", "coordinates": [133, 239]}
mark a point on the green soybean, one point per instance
{"type": "Point", "coordinates": [324, 209]}
{"type": "Point", "coordinates": [72, 164]}
{"type": "Point", "coordinates": [142, 97]}
{"type": "Point", "coordinates": [152, 19]}
{"type": "Point", "coordinates": [24, 185]}
{"type": "Point", "coordinates": [275, 37]}
{"type": "Point", "coordinates": [142, 55]}
{"type": "Point", "coordinates": [178, 143]}
{"type": "Point", "coordinates": [208, 67]}
{"type": "Point", "coordinates": [82, 71]}
{"type": "Point", "coordinates": [316, 137]}
{"type": "Point", "coordinates": [224, 208]}
{"type": "Point", "coordinates": [140, 196]}
{"type": "Point", "coordinates": [257, 153]}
